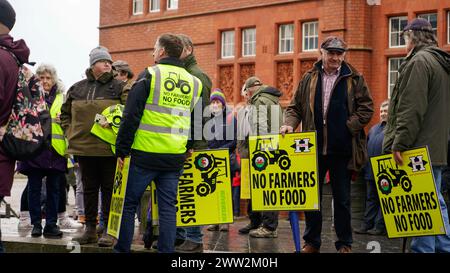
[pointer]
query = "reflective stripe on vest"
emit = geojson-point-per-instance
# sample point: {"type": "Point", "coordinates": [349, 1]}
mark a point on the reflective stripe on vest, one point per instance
{"type": "Point", "coordinates": [58, 140]}
{"type": "Point", "coordinates": [166, 120]}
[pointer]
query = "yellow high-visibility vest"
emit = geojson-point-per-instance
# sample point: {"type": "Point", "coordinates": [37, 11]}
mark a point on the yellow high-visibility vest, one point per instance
{"type": "Point", "coordinates": [59, 142]}
{"type": "Point", "coordinates": [113, 115]}
{"type": "Point", "coordinates": [166, 120]}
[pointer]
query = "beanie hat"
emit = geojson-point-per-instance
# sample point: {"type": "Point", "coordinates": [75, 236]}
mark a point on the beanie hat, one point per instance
{"type": "Point", "coordinates": [7, 14]}
{"type": "Point", "coordinates": [99, 53]}
{"type": "Point", "coordinates": [217, 94]}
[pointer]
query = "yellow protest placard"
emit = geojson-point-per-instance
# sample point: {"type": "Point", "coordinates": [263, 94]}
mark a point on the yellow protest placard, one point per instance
{"type": "Point", "coordinates": [118, 198]}
{"type": "Point", "coordinates": [283, 172]}
{"type": "Point", "coordinates": [407, 194]}
{"type": "Point", "coordinates": [204, 190]}
{"type": "Point", "coordinates": [245, 178]}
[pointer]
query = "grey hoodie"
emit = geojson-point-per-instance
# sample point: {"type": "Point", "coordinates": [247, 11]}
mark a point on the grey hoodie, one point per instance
{"type": "Point", "coordinates": [419, 112]}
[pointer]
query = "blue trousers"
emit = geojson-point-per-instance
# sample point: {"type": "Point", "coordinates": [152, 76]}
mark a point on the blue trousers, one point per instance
{"type": "Point", "coordinates": [166, 194]}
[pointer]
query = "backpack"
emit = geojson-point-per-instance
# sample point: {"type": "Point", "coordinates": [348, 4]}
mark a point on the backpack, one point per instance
{"type": "Point", "coordinates": [29, 125]}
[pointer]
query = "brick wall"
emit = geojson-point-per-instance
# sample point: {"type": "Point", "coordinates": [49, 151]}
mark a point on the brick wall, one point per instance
{"type": "Point", "coordinates": [364, 27]}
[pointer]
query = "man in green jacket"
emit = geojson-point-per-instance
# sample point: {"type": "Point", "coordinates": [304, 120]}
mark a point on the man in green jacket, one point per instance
{"type": "Point", "coordinates": [265, 116]}
{"type": "Point", "coordinates": [190, 239]}
{"type": "Point", "coordinates": [419, 113]}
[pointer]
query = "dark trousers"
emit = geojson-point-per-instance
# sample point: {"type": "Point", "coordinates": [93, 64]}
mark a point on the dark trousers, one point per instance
{"type": "Point", "coordinates": [340, 178]}
{"type": "Point", "coordinates": [62, 197]}
{"type": "Point", "coordinates": [236, 194]}
{"type": "Point", "coordinates": [268, 220]}
{"type": "Point", "coordinates": [34, 195]}
{"type": "Point", "coordinates": [97, 173]}
{"type": "Point", "coordinates": [373, 218]}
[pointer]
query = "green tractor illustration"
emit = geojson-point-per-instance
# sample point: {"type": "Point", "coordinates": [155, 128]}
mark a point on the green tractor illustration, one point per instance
{"type": "Point", "coordinates": [212, 168]}
{"type": "Point", "coordinates": [174, 81]}
{"type": "Point", "coordinates": [389, 177]}
{"type": "Point", "coordinates": [266, 154]}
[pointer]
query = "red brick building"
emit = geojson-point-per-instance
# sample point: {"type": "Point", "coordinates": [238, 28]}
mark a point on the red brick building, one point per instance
{"type": "Point", "coordinates": [276, 40]}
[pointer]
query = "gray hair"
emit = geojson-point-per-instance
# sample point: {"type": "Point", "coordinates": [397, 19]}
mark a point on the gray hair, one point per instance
{"type": "Point", "coordinates": [422, 38]}
{"type": "Point", "coordinates": [51, 70]}
{"type": "Point", "coordinates": [187, 41]}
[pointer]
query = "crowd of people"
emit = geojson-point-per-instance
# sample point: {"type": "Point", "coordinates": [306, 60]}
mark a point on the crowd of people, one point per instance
{"type": "Point", "coordinates": [332, 99]}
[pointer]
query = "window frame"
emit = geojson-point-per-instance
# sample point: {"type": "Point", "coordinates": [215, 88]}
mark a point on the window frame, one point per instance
{"type": "Point", "coordinates": [172, 1]}
{"type": "Point", "coordinates": [404, 18]}
{"type": "Point", "coordinates": [315, 36]}
{"type": "Point", "coordinates": [281, 39]}
{"type": "Point", "coordinates": [401, 60]}
{"type": "Point", "coordinates": [251, 43]}
{"type": "Point", "coordinates": [135, 4]}
{"type": "Point", "coordinates": [150, 5]}
{"type": "Point", "coordinates": [448, 27]}
{"type": "Point", "coordinates": [227, 45]}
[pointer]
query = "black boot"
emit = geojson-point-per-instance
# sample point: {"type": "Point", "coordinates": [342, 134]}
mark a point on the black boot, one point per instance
{"type": "Point", "coordinates": [52, 231]}
{"type": "Point", "coordinates": [37, 230]}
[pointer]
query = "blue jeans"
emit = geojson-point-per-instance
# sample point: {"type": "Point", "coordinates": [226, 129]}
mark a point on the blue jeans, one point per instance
{"type": "Point", "coordinates": [373, 218]}
{"type": "Point", "coordinates": [193, 234]}
{"type": "Point", "coordinates": [166, 192]}
{"type": "Point", "coordinates": [34, 195]}
{"type": "Point", "coordinates": [439, 243]}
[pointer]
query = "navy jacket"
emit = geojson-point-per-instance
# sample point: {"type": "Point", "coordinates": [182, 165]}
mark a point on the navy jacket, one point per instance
{"type": "Point", "coordinates": [374, 147]}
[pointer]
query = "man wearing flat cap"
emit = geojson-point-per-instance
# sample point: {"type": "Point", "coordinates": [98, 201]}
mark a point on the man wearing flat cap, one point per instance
{"type": "Point", "coordinates": [419, 113]}
{"type": "Point", "coordinates": [85, 99]}
{"type": "Point", "coordinates": [10, 50]}
{"type": "Point", "coordinates": [123, 72]}
{"type": "Point", "coordinates": [333, 99]}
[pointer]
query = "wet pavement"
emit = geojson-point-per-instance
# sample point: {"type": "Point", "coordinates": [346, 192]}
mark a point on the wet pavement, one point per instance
{"type": "Point", "coordinates": [214, 241]}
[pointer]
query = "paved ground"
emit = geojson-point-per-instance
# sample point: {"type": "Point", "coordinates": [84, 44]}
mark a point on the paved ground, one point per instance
{"type": "Point", "coordinates": [216, 241]}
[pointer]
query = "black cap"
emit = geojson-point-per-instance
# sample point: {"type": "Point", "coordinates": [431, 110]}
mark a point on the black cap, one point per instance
{"type": "Point", "coordinates": [7, 14]}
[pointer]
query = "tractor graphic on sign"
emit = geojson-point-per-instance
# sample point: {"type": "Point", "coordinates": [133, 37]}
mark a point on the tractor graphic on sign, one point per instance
{"type": "Point", "coordinates": [117, 183]}
{"type": "Point", "coordinates": [211, 169]}
{"type": "Point", "coordinates": [174, 81]}
{"type": "Point", "coordinates": [389, 177]}
{"type": "Point", "coordinates": [266, 154]}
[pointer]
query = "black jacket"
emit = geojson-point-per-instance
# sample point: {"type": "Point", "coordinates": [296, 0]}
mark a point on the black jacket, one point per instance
{"type": "Point", "coordinates": [134, 109]}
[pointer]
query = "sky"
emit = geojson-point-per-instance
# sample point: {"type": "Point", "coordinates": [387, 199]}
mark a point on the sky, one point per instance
{"type": "Point", "coordinates": [59, 32]}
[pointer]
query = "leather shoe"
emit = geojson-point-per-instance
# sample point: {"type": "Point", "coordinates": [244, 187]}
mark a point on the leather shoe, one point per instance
{"type": "Point", "coordinates": [307, 248]}
{"type": "Point", "coordinates": [360, 230]}
{"type": "Point", "coordinates": [375, 231]}
{"type": "Point", "coordinates": [37, 231]}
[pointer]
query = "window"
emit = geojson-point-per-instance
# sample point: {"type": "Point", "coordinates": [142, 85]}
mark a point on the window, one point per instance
{"type": "Point", "coordinates": [154, 5]}
{"type": "Point", "coordinates": [138, 7]}
{"type": "Point", "coordinates": [172, 4]}
{"type": "Point", "coordinates": [394, 65]}
{"type": "Point", "coordinates": [228, 44]}
{"type": "Point", "coordinates": [286, 39]}
{"type": "Point", "coordinates": [310, 36]}
{"type": "Point", "coordinates": [249, 42]}
{"type": "Point", "coordinates": [396, 25]}
{"type": "Point", "coordinates": [432, 18]}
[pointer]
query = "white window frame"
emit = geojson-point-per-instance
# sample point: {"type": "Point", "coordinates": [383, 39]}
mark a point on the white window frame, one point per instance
{"type": "Point", "coordinates": [400, 38]}
{"type": "Point", "coordinates": [400, 59]}
{"type": "Point", "coordinates": [448, 27]}
{"type": "Point", "coordinates": [307, 36]}
{"type": "Point", "coordinates": [282, 29]}
{"type": "Point", "coordinates": [249, 42]}
{"type": "Point", "coordinates": [150, 5]}
{"type": "Point", "coordinates": [136, 4]}
{"type": "Point", "coordinates": [227, 45]}
{"type": "Point", "coordinates": [172, 4]}
{"type": "Point", "coordinates": [427, 16]}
